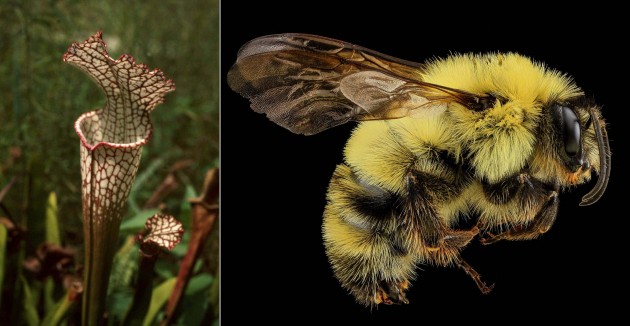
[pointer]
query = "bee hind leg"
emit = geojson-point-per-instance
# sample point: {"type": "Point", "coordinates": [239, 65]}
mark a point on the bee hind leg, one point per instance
{"type": "Point", "coordinates": [470, 271]}
{"type": "Point", "coordinates": [392, 293]}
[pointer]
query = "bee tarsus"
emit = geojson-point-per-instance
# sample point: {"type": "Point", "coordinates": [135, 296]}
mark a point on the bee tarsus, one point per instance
{"type": "Point", "coordinates": [483, 287]}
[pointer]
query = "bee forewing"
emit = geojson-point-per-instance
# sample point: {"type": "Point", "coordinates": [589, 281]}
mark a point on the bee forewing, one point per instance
{"type": "Point", "coordinates": [308, 83]}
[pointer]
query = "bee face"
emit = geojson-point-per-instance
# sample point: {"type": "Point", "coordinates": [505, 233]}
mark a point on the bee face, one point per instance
{"type": "Point", "coordinates": [580, 146]}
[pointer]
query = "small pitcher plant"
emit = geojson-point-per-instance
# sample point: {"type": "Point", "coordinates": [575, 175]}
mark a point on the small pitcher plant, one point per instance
{"type": "Point", "coordinates": [111, 140]}
{"type": "Point", "coordinates": [164, 233]}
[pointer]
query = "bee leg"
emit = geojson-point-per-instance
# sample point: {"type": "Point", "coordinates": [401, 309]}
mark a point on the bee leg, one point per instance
{"type": "Point", "coordinates": [419, 213]}
{"type": "Point", "coordinates": [392, 293]}
{"type": "Point", "coordinates": [541, 224]}
{"type": "Point", "coordinates": [485, 289]}
{"type": "Point", "coordinates": [365, 242]}
{"type": "Point", "coordinates": [460, 238]}
{"type": "Point", "coordinates": [438, 243]}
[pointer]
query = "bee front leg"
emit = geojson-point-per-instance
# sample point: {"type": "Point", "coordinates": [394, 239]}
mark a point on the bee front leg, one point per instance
{"type": "Point", "coordinates": [541, 224]}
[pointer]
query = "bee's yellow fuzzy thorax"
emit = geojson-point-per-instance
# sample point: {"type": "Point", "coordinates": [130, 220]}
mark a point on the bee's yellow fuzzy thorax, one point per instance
{"type": "Point", "coordinates": [509, 75]}
{"type": "Point", "coordinates": [498, 141]}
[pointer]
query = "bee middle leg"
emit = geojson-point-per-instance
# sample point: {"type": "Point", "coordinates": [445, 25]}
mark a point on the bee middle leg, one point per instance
{"type": "Point", "coordinates": [419, 214]}
{"type": "Point", "coordinates": [438, 243]}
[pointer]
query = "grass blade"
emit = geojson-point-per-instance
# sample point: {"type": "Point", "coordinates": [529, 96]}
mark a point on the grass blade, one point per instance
{"type": "Point", "coordinates": [60, 310]}
{"type": "Point", "coordinates": [3, 251]}
{"type": "Point", "coordinates": [52, 222]}
{"type": "Point", "coordinates": [158, 299]}
{"type": "Point", "coordinates": [52, 237]}
{"type": "Point", "coordinates": [31, 318]}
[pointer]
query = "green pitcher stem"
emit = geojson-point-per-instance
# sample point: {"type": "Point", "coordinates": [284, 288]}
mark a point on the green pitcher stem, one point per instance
{"type": "Point", "coordinates": [99, 255]}
{"type": "Point", "coordinates": [144, 289]}
{"type": "Point", "coordinates": [105, 191]}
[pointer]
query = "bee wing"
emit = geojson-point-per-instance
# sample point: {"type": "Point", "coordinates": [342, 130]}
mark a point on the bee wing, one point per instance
{"type": "Point", "coordinates": [309, 83]}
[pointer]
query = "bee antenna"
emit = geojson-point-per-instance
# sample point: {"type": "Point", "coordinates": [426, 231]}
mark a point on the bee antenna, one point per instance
{"type": "Point", "coordinates": [604, 158]}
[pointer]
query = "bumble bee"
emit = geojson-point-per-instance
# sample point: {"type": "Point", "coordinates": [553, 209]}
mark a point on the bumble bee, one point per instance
{"type": "Point", "coordinates": [490, 137]}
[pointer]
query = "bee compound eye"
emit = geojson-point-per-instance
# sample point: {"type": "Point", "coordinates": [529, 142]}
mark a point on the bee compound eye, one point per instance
{"type": "Point", "coordinates": [570, 131]}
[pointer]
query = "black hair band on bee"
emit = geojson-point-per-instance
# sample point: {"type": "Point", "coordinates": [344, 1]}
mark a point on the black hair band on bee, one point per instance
{"type": "Point", "coordinates": [604, 158]}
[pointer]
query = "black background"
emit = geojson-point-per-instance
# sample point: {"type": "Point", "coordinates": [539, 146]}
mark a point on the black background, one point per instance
{"type": "Point", "coordinates": [274, 268]}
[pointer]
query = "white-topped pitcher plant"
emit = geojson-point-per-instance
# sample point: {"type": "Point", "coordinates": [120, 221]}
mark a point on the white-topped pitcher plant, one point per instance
{"type": "Point", "coordinates": [111, 141]}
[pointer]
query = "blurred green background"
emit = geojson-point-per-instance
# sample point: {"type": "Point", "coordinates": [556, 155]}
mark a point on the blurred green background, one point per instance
{"type": "Point", "coordinates": [41, 97]}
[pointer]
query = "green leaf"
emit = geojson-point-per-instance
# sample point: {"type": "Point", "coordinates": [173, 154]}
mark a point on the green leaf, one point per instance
{"type": "Point", "coordinates": [52, 237]}
{"type": "Point", "coordinates": [120, 293]}
{"type": "Point", "coordinates": [119, 302]}
{"type": "Point", "coordinates": [196, 300]}
{"type": "Point", "coordinates": [136, 222]}
{"type": "Point", "coordinates": [3, 251]}
{"type": "Point", "coordinates": [215, 163]}
{"type": "Point", "coordinates": [142, 177]}
{"type": "Point", "coordinates": [52, 223]}
{"type": "Point", "coordinates": [166, 269]}
{"type": "Point", "coordinates": [181, 249]}
{"type": "Point", "coordinates": [158, 299]}
{"type": "Point", "coordinates": [185, 216]}
{"type": "Point", "coordinates": [59, 312]}
{"type": "Point", "coordinates": [198, 266]}
{"type": "Point", "coordinates": [31, 318]}
{"type": "Point", "coordinates": [49, 290]}
{"type": "Point", "coordinates": [214, 295]}
{"type": "Point", "coordinates": [185, 212]}
{"type": "Point", "coordinates": [199, 283]}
